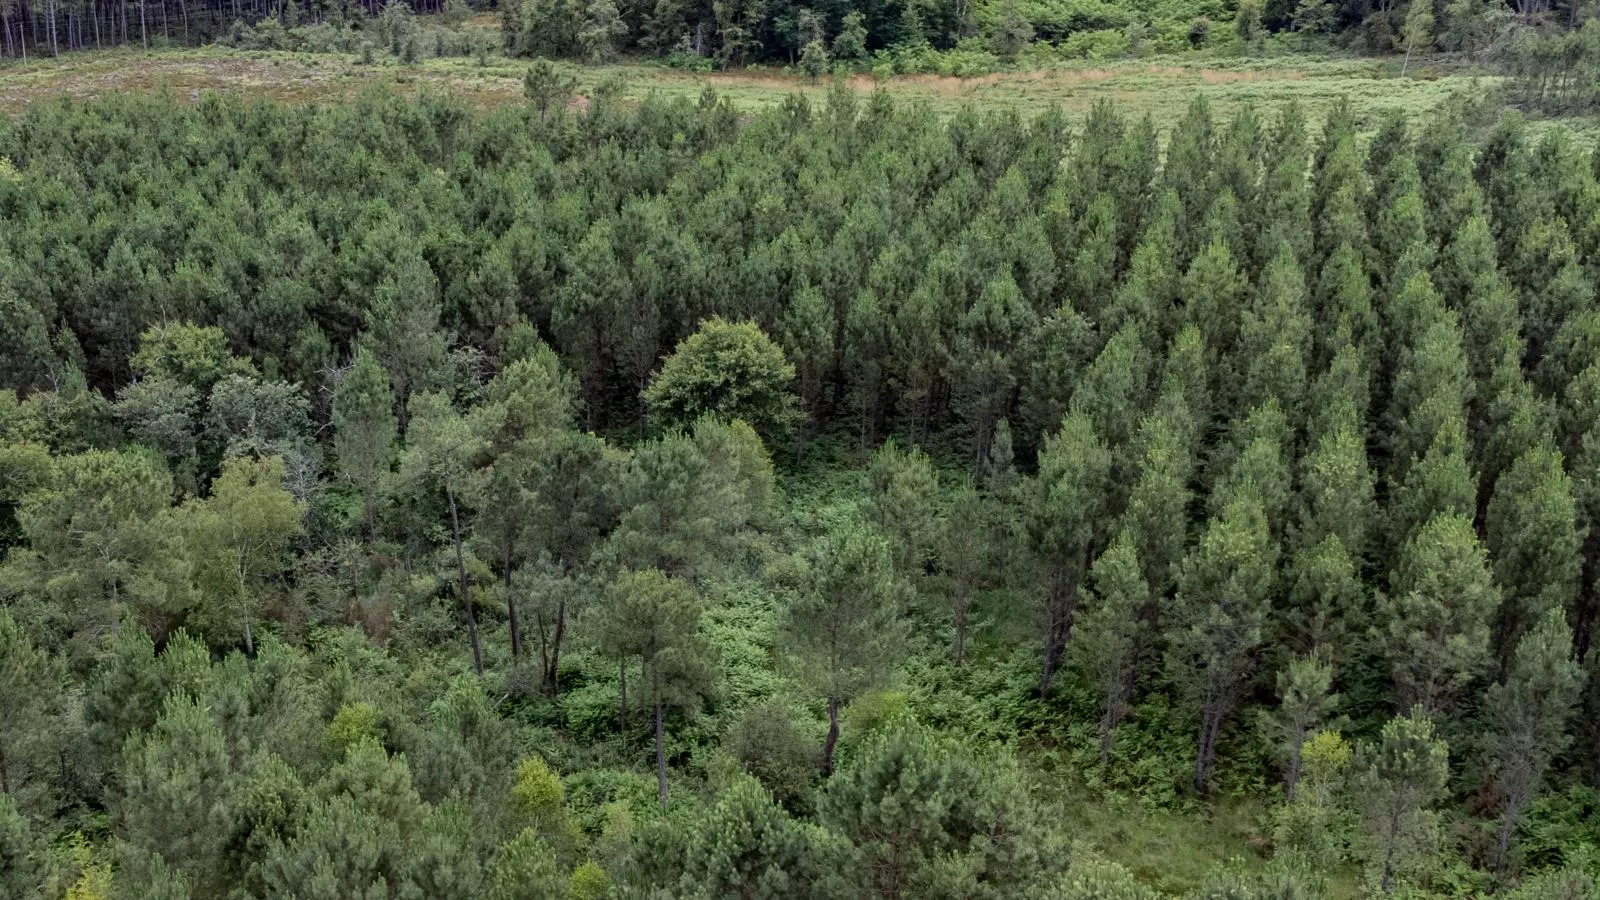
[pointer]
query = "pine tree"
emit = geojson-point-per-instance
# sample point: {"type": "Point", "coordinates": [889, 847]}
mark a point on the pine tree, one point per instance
{"type": "Point", "coordinates": [1115, 388]}
{"type": "Point", "coordinates": [29, 686]}
{"type": "Point", "coordinates": [1438, 614]}
{"type": "Point", "coordinates": [1404, 775]}
{"type": "Point", "coordinates": [404, 335]}
{"type": "Point", "coordinates": [1534, 541]}
{"type": "Point", "coordinates": [656, 619]}
{"type": "Point", "coordinates": [1157, 511]}
{"type": "Point", "coordinates": [1218, 616]}
{"type": "Point", "coordinates": [176, 780]}
{"type": "Point", "coordinates": [843, 627]}
{"type": "Point", "coordinates": [963, 543]}
{"type": "Point", "coordinates": [1108, 645]}
{"type": "Point", "coordinates": [1275, 338]}
{"type": "Point", "coordinates": [1305, 699]}
{"type": "Point", "coordinates": [442, 449]}
{"type": "Point", "coordinates": [901, 492]}
{"type": "Point", "coordinates": [1528, 715]}
{"type": "Point", "coordinates": [1066, 504]}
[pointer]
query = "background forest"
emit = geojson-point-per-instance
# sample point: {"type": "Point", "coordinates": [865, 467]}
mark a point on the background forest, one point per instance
{"type": "Point", "coordinates": [835, 501]}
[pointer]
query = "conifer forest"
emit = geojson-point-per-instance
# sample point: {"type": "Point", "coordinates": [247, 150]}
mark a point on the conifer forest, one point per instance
{"type": "Point", "coordinates": [408, 499]}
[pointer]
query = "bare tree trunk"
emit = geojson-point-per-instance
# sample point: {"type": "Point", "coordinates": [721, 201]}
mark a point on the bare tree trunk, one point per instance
{"type": "Point", "coordinates": [553, 668]}
{"type": "Point", "coordinates": [961, 601]}
{"type": "Point", "coordinates": [511, 609]}
{"type": "Point", "coordinates": [1386, 884]}
{"type": "Point", "coordinates": [832, 740]}
{"type": "Point", "coordinates": [461, 572]}
{"type": "Point", "coordinates": [1060, 606]}
{"type": "Point", "coordinates": [1508, 824]}
{"type": "Point", "coordinates": [661, 754]}
{"type": "Point", "coordinates": [622, 694]}
{"type": "Point", "coordinates": [1291, 780]}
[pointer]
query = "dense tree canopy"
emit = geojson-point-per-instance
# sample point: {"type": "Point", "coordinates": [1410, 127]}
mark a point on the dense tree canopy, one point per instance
{"type": "Point", "coordinates": [402, 501]}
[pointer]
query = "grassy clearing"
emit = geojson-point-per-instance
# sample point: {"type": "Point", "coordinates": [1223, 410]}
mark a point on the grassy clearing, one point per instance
{"type": "Point", "coordinates": [1161, 87]}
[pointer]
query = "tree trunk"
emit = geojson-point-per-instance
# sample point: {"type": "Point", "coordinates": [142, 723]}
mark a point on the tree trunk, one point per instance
{"type": "Point", "coordinates": [1291, 779]}
{"type": "Point", "coordinates": [1386, 884]}
{"type": "Point", "coordinates": [1110, 716]}
{"type": "Point", "coordinates": [661, 754]}
{"type": "Point", "coordinates": [553, 666]}
{"type": "Point", "coordinates": [832, 740]}
{"type": "Point", "coordinates": [622, 695]}
{"type": "Point", "coordinates": [961, 626]}
{"type": "Point", "coordinates": [461, 572]}
{"type": "Point", "coordinates": [1508, 825]}
{"type": "Point", "coordinates": [511, 611]}
{"type": "Point", "coordinates": [249, 638]}
{"type": "Point", "coordinates": [1206, 754]}
{"type": "Point", "coordinates": [1059, 607]}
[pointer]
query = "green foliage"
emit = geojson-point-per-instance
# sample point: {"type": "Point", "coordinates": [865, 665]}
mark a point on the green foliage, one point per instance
{"type": "Point", "coordinates": [726, 370]}
{"type": "Point", "coordinates": [1224, 452]}
{"type": "Point", "coordinates": [1403, 775]}
{"type": "Point", "coordinates": [352, 724]}
{"type": "Point", "coordinates": [924, 815]}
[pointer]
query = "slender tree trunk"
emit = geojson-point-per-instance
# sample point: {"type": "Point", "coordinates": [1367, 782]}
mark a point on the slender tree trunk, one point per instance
{"type": "Point", "coordinates": [553, 668]}
{"type": "Point", "coordinates": [832, 740]}
{"type": "Point", "coordinates": [1291, 780]}
{"type": "Point", "coordinates": [1211, 715]}
{"type": "Point", "coordinates": [1109, 718]}
{"type": "Point", "coordinates": [622, 694]}
{"type": "Point", "coordinates": [961, 601]}
{"type": "Point", "coordinates": [661, 753]}
{"type": "Point", "coordinates": [5, 776]}
{"type": "Point", "coordinates": [1386, 884]}
{"type": "Point", "coordinates": [511, 609]}
{"type": "Point", "coordinates": [461, 572]}
{"type": "Point", "coordinates": [1508, 825]}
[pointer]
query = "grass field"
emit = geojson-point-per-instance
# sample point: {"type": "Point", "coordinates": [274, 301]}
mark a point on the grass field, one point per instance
{"type": "Point", "coordinates": [1162, 87]}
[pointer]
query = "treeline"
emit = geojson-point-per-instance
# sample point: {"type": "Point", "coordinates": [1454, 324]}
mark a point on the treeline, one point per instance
{"type": "Point", "coordinates": [945, 36]}
{"type": "Point", "coordinates": [51, 27]}
{"type": "Point", "coordinates": [390, 487]}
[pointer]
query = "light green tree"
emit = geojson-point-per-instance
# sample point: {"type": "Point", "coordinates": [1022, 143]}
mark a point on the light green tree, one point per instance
{"type": "Point", "coordinates": [238, 538]}
{"type": "Point", "coordinates": [1108, 642]}
{"type": "Point", "coordinates": [728, 370]}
